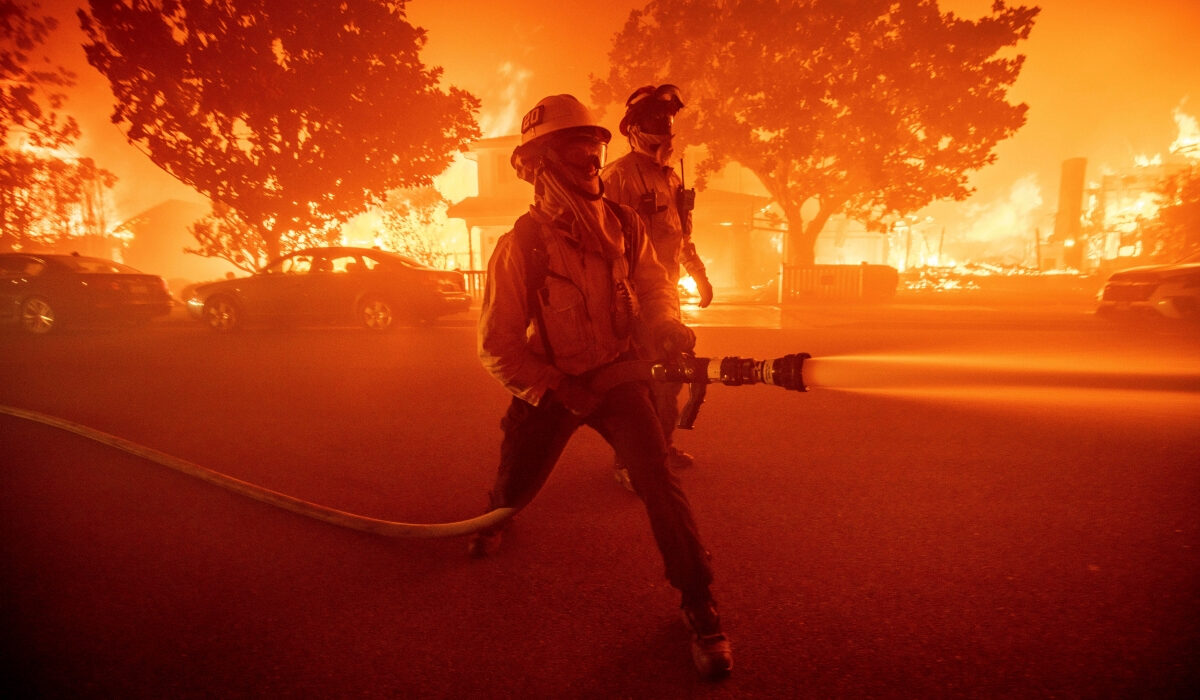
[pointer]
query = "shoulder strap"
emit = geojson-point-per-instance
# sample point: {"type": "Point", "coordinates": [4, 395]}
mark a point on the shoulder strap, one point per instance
{"type": "Point", "coordinates": [537, 266]}
{"type": "Point", "coordinates": [628, 228]}
{"type": "Point", "coordinates": [537, 260]}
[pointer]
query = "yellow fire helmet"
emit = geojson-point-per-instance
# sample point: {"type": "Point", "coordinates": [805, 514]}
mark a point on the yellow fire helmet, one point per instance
{"type": "Point", "coordinates": [552, 115]}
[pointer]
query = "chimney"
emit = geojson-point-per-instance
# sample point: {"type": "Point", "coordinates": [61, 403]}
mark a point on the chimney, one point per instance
{"type": "Point", "coordinates": [1068, 226]}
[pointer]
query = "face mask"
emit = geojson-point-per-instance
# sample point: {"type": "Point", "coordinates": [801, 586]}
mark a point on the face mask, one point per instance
{"type": "Point", "coordinates": [659, 147]}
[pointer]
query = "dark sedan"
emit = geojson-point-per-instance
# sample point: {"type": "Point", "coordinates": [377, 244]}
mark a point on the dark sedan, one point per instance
{"type": "Point", "coordinates": [370, 287]}
{"type": "Point", "coordinates": [42, 293]}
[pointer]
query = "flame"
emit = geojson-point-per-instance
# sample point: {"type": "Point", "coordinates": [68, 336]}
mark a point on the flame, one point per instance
{"type": "Point", "coordinates": [1003, 228]}
{"type": "Point", "coordinates": [504, 120]}
{"type": "Point", "coordinates": [460, 179]}
{"type": "Point", "coordinates": [1187, 143]}
{"type": "Point", "coordinates": [360, 231]}
{"type": "Point", "coordinates": [91, 213]}
{"type": "Point", "coordinates": [1133, 202]}
{"type": "Point", "coordinates": [689, 293]}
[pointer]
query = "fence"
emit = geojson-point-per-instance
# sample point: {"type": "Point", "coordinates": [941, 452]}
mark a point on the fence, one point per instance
{"type": "Point", "coordinates": [838, 283]}
{"type": "Point", "coordinates": [475, 280]}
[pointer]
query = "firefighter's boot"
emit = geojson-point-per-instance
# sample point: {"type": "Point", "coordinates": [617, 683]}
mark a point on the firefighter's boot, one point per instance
{"type": "Point", "coordinates": [711, 651]}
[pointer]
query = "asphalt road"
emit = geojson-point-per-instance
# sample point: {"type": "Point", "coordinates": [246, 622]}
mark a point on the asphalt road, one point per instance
{"type": "Point", "coordinates": [1004, 505]}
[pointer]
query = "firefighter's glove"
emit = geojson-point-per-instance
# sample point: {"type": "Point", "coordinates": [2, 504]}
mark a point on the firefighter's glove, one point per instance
{"type": "Point", "coordinates": [575, 395]}
{"type": "Point", "coordinates": [672, 337]}
{"type": "Point", "coordinates": [704, 287]}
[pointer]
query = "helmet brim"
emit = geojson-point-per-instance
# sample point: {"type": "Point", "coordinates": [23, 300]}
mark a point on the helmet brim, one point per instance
{"type": "Point", "coordinates": [526, 150]}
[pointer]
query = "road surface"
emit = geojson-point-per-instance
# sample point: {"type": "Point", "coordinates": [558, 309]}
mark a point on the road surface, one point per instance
{"type": "Point", "coordinates": [1025, 527]}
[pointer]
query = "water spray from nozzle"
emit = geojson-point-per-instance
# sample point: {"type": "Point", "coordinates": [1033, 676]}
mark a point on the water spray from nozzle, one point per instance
{"type": "Point", "coordinates": [907, 373]}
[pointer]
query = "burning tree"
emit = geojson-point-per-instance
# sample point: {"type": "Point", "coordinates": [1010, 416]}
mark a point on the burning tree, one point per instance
{"type": "Point", "coordinates": [293, 115]}
{"type": "Point", "coordinates": [870, 108]}
{"type": "Point", "coordinates": [48, 201]}
{"type": "Point", "coordinates": [46, 198]}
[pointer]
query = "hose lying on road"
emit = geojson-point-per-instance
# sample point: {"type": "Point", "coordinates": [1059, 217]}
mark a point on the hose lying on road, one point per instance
{"type": "Point", "coordinates": [386, 528]}
{"type": "Point", "coordinates": [697, 372]}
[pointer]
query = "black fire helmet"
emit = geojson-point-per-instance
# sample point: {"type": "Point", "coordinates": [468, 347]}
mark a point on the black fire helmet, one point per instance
{"type": "Point", "coordinates": [651, 109]}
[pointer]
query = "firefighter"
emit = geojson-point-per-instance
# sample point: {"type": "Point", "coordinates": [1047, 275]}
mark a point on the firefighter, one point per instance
{"type": "Point", "coordinates": [567, 290]}
{"type": "Point", "coordinates": [645, 180]}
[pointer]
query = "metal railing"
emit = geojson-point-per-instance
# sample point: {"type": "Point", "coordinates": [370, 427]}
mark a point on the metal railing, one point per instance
{"type": "Point", "coordinates": [837, 283]}
{"type": "Point", "coordinates": [475, 280]}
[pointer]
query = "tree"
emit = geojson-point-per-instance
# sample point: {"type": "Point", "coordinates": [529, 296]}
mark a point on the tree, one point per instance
{"type": "Point", "coordinates": [47, 201]}
{"type": "Point", "coordinates": [413, 220]}
{"type": "Point", "coordinates": [31, 90]}
{"type": "Point", "coordinates": [293, 114]}
{"type": "Point", "coordinates": [223, 234]}
{"type": "Point", "coordinates": [870, 108]}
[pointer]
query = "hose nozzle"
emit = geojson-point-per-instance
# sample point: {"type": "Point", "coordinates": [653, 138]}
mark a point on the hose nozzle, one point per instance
{"type": "Point", "coordinates": [786, 371]}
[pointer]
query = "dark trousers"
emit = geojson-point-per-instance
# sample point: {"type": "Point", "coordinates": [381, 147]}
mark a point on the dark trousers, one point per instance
{"type": "Point", "coordinates": [535, 436]}
{"type": "Point", "coordinates": [666, 403]}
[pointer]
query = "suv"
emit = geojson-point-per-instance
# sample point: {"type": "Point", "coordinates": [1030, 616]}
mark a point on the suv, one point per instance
{"type": "Point", "coordinates": [1171, 291]}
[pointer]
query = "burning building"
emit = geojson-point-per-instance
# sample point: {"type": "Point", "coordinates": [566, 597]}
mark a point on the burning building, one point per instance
{"type": "Point", "coordinates": [1119, 220]}
{"type": "Point", "coordinates": [1122, 211]}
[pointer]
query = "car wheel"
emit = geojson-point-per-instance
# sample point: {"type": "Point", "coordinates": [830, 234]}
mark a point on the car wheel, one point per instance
{"type": "Point", "coordinates": [222, 314]}
{"type": "Point", "coordinates": [377, 313]}
{"type": "Point", "coordinates": [38, 316]}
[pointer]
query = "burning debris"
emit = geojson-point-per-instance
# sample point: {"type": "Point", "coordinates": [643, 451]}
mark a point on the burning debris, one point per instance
{"type": "Point", "coordinates": [970, 277]}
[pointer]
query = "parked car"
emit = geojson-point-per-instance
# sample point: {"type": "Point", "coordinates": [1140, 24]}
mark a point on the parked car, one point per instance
{"type": "Point", "coordinates": [42, 293]}
{"type": "Point", "coordinates": [1171, 291]}
{"type": "Point", "coordinates": [374, 288]}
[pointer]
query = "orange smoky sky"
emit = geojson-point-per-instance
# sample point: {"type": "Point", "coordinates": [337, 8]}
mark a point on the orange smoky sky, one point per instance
{"type": "Point", "coordinates": [1103, 79]}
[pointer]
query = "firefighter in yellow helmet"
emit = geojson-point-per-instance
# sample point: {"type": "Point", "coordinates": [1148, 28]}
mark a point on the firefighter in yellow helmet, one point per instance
{"type": "Point", "coordinates": [645, 180]}
{"type": "Point", "coordinates": [567, 290]}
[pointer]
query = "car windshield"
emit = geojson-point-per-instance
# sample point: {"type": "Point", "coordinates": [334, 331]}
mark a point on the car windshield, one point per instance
{"type": "Point", "coordinates": [1193, 258]}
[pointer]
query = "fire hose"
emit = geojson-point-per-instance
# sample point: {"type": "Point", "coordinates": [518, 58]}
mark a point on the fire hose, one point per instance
{"type": "Point", "coordinates": [697, 372]}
